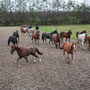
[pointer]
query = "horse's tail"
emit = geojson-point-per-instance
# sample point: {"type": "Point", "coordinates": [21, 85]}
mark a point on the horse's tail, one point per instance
{"type": "Point", "coordinates": [40, 53]}
{"type": "Point", "coordinates": [9, 40]}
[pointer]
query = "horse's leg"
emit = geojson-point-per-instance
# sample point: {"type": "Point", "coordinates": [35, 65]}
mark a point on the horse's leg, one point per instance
{"type": "Point", "coordinates": [35, 41]}
{"type": "Point", "coordinates": [59, 44]}
{"type": "Point", "coordinates": [45, 39]}
{"type": "Point", "coordinates": [38, 41]}
{"type": "Point", "coordinates": [49, 42]}
{"type": "Point", "coordinates": [83, 45]}
{"type": "Point", "coordinates": [32, 40]}
{"type": "Point", "coordinates": [64, 53]}
{"type": "Point", "coordinates": [66, 39]}
{"type": "Point", "coordinates": [18, 59]}
{"type": "Point", "coordinates": [68, 58]}
{"type": "Point", "coordinates": [72, 58]}
{"type": "Point", "coordinates": [69, 39]}
{"type": "Point", "coordinates": [26, 59]}
{"type": "Point", "coordinates": [78, 41]}
{"type": "Point", "coordinates": [89, 46]}
{"type": "Point", "coordinates": [56, 44]}
{"type": "Point", "coordinates": [62, 38]}
{"type": "Point", "coordinates": [35, 56]}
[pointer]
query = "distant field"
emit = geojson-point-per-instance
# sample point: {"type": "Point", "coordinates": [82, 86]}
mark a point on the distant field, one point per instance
{"type": "Point", "coordinates": [65, 28]}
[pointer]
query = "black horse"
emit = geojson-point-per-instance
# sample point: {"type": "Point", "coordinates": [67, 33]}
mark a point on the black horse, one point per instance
{"type": "Point", "coordinates": [13, 40]}
{"type": "Point", "coordinates": [48, 35]}
{"type": "Point", "coordinates": [16, 34]}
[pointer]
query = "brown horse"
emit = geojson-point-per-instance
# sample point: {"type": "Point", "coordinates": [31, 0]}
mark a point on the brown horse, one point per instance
{"type": "Point", "coordinates": [36, 36]}
{"type": "Point", "coordinates": [87, 38]}
{"type": "Point", "coordinates": [24, 52]}
{"type": "Point", "coordinates": [66, 35]}
{"type": "Point", "coordinates": [56, 39]}
{"type": "Point", "coordinates": [69, 48]}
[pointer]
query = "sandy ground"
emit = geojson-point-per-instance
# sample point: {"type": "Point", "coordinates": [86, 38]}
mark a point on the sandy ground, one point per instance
{"type": "Point", "coordinates": [52, 73]}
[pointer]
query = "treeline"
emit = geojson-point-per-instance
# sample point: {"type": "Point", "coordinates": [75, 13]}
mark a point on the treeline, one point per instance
{"type": "Point", "coordinates": [64, 13]}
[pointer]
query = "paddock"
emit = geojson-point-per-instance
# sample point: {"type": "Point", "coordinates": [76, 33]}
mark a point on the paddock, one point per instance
{"type": "Point", "coordinates": [52, 73]}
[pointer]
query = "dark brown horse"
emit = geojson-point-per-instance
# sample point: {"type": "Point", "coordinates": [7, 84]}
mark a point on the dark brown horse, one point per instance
{"type": "Point", "coordinates": [24, 52]}
{"type": "Point", "coordinates": [56, 39]}
{"type": "Point", "coordinates": [87, 38]}
{"type": "Point", "coordinates": [69, 48]}
{"type": "Point", "coordinates": [36, 36]}
{"type": "Point", "coordinates": [66, 35]}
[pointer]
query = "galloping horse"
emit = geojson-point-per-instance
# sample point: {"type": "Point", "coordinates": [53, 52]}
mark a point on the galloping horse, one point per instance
{"type": "Point", "coordinates": [69, 48]}
{"type": "Point", "coordinates": [16, 34]}
{"type": "Point", "coordinates": [56, 39]}
{"type": "Point", "coordinates": [80, 40]}
{"type": "Point", "coordinates": [36, 36]}
{"type": "Point", "coordinates": [66, 35]}
{"type": "Point", "coordinates": [13, 40]}
{"type": "Point", "coordinates": [27, 29]}
{"type": "Point", "coordinates": [24, 52]}
{"type": "Point", "coordinates": [87, 38]}
{"type": "Point", "coordinates": [22, 30]}
{"type": "Point", "coordinates": [48, 35]}
{"type": "Point", "coordinates": [84, 31]}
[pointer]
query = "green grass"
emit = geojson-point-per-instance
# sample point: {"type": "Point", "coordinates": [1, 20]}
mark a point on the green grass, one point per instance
{"type": "Point", "coordinates": [65, 28]}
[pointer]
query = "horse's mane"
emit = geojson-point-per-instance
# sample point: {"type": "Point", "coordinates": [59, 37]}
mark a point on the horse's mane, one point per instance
{"type": "Point", "coordinates": [17, 47]}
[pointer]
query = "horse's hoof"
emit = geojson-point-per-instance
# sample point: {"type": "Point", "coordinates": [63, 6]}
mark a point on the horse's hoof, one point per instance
{"type": "Point", "coordinates": [34, 60]}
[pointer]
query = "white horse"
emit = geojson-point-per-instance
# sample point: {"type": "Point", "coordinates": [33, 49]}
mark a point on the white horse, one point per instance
{"type": "Point", "coordinates": [81, 38]}
{"type": "Point", "coordinates": [29, 30]}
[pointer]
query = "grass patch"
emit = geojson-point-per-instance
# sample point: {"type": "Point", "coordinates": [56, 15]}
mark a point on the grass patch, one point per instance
{"type": "Point", "coordinates": [65, 28]}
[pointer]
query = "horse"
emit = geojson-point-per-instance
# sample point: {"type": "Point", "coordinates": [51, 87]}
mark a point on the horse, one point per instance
{"type": "Point", "coordinates": [16, 34]}
{"type": "Point", "coordinates": [48, 35]}
{"type": "Point", "coordinates": [13, 40]}
{"type": "Point", "coordinates": [56, 39]}
{"type": "Point", "coordinates": [27, 29]}
{"type": "Point", "coordinates": [22, 30]}
{"type": "Point", "coordinates": [80, 40]}
{"type": "Point", "coordinates": [66, 35]}
{"type": "Point", "coordinates": [24, 52]}
{"type": "Point", "coordinates": [84, 31]}
{"type": "Point", "coordinates": [36, 36]}
{"type": "Point", "coordinates": [69, 48]}
{"type": "Point", "coordinates": [87, 38]}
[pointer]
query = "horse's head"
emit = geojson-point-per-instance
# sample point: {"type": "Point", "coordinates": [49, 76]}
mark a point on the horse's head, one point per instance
{"type": "Point", "coordinates": [74, 46]}
{"type": "Point", "coordinates": [13, 48]}
{"type": "Point", "coordinates": [70, 31]}
{"type": "Point", "coordinates": [77, 33]}
{"type": "Point", "coordinates": [54, 32]}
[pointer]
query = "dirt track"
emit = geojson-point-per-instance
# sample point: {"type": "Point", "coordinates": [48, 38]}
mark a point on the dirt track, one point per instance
{"type": "Point", "coordinates": [51, 74]}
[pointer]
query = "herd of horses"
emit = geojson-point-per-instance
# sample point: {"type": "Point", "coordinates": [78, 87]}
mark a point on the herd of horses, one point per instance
{"type": "Point", "coordinates": [54, 37]}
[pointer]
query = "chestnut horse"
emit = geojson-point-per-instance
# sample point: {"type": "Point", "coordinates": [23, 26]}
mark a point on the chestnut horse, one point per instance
{"type": "Point", "coordinates": [22, 30]}
{"type": "Point", "coordinates": [24, 52]}
{"type": "Point", "coordinates": [66, 35]}
{"type": "Point", "coordinates": [69, 48]}
{"type": "Point", "coordinates": [87, 38]}
{"type": "Point", "coordinates": [36, 36]}
{"type": "Point", "coordinates": [56, 39]}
